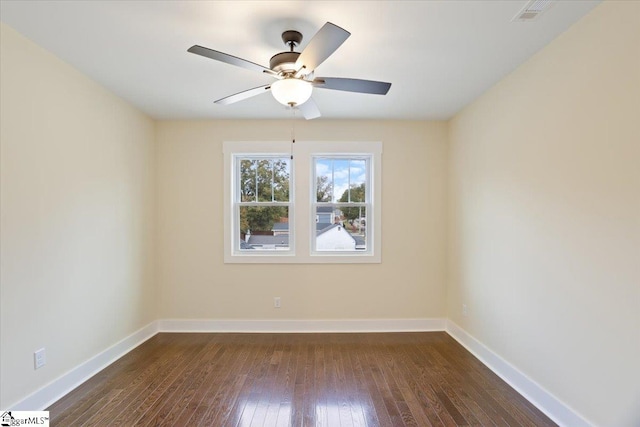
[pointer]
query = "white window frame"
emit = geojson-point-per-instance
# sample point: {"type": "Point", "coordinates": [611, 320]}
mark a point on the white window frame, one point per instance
{"type": "Point", "coordinates": [301, 212]}
{"type": "Point", "coordinates": [233, 153]}
{"type": "Point", "coordinates": [367, 204]}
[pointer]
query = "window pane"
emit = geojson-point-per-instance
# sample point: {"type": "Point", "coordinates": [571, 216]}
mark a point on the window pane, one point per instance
{"type": "Point", "coordinates": [357, 181]}
{"type": "Point", "coordinates": [341, 229]}
{"type": "Point", "coordinates": [324, 180]}
{"type": "Point", "coordinates": [341, 180]}
{"type": "Point", "coordinates": [264, 228]}
{"type": "Point", "coordinates": [264, 180]}
{"type": "Point", "coordinates": [247, 180]}
{"type": "Point", "coordinates": [281, 174]}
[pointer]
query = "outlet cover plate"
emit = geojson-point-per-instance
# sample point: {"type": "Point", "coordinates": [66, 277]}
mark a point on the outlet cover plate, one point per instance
{"type": "Point", "coordinates": [39, 358]}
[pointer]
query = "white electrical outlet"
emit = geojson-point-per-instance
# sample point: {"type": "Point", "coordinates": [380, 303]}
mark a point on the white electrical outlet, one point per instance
{"type": "Point", "coordinates": [276, 302]}
{"type": "Point", "coordinates": [39, 358]}
{"type": "Point", "coordinates": [465, 311]}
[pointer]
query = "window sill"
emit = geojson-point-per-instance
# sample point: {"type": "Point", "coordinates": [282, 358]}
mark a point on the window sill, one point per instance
{"type": "Point", "coordinates": [309, 259]}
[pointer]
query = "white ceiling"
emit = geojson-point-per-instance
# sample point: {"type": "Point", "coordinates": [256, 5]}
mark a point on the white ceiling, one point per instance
{"type": "Point", "coordinates": [438, 55]}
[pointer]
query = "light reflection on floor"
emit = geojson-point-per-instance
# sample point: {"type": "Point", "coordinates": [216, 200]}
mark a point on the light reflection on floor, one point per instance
{"type": "Point", "coordinates": [256, 410]}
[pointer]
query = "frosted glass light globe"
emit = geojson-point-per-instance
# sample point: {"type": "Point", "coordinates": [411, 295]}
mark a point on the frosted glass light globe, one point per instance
{"type": "Point", "coordinates": [291, 91]}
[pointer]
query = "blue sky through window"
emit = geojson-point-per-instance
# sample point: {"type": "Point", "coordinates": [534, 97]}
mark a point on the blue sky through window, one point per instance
{"type": "Point", "coordinates": [342, 173]}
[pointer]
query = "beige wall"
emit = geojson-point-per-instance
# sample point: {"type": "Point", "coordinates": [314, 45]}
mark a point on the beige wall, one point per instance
{"type": "Point", "coordinates": [77, 216]}
{"type": "Point", "coordinates": [545, 217]}
{"type": "Point", "coordinates": [196, 284]}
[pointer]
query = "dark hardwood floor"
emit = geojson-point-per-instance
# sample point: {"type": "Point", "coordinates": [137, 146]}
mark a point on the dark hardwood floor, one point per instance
{"type": "Point", "coordinates": [374, 379]}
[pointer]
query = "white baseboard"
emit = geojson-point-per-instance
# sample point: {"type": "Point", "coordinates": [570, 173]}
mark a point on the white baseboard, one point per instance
{"type": "Point", "coordinates": [292, 326]}
{"type": "Point", "coordinates": [555, 409]}
{"type": "Point", "coordinates": [49, 394]}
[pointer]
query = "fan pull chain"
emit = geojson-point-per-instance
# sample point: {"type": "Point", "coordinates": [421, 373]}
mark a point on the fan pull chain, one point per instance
{"type": "Point", "coordinates": [293, 129]}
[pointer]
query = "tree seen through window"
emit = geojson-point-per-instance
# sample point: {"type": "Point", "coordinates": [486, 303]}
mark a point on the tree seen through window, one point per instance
{"type": "Point", "coordinates": [264, 195]}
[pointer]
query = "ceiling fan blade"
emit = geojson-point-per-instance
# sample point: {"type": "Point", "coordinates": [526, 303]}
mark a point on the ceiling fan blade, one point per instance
{"type": "Point", "coordinates": [352, 85]}
{"type": "Point", "coordinates": [243, 95]}
{"type": "Point", "coordinates": [326, 41]}
{"type": "Point", "coordinates": [309, 109]}
{"type": "Point", "coordinates": [229, 59]}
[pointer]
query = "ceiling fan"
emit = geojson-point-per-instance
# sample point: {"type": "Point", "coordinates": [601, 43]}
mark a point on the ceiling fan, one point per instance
{"type": "Point", "coordinates": [294, 71]}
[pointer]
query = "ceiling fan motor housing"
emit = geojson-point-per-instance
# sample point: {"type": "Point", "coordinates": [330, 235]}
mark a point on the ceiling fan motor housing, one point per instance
{"type": "Point", "coordinates": [284, 62]}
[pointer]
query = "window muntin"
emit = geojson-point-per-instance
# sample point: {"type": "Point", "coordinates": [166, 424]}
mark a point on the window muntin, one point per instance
{"type": "Point", "coordinates": [262, 203]}
{"type": "Point", "coordinates": [342, 199]}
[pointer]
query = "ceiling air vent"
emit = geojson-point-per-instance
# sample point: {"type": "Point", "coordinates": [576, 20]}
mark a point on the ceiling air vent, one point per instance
{"type": "Point", "coordinates": [532, 10]}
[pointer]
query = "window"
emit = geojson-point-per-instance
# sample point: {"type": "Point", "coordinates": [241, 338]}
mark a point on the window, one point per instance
{"type": "Point", "coordinates": [333, 216]}
{"type": "Point", "coordinates": [341, 202]}
{"type": "Point", "coordinates": [262, 202]}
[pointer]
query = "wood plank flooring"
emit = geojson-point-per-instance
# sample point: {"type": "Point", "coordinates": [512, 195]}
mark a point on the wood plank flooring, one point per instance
{"type": "Point", "coordinates": [335, 380]}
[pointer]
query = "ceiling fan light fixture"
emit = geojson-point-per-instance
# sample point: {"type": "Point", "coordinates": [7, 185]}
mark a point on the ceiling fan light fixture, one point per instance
{"type": "Point", "coordinates": [291, 91]}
